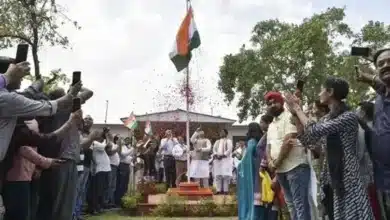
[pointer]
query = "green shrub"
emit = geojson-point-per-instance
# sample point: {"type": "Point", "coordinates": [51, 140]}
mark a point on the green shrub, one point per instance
{"type": "Point", "coordinates": [176, 207]}
{"type": "Point", "coordinates": [161, 188]}
{"type": "Point", "coordinates": [232, 189]}
{"type": "Point", "coordinates": [207, 208]}
{"type": "Point", "coordinates": [173, 206]}
{"type": "Point", "coordinates": [129, 202]}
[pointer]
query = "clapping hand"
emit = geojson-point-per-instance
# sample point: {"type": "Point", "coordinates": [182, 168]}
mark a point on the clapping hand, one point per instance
{"type": "Point", "coordinates": [292, 102]}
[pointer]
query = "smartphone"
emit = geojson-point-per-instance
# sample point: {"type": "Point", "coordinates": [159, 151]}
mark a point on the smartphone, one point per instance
{"type": "Point", "coordinates": [360, 51]}
{"type": "Point", "coordinates": [300, 84]}
{"type": "Point", "coordinates": [76, 104]}
{"type": "Point", "coordinates": [21, 53]}
{"type": "Point", "coordinates": [76, 77]}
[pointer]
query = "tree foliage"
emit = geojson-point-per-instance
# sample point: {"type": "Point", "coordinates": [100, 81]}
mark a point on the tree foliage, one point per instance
{"type": "Point", "coordinates": [35, 22]}
{"type": "Point", "coordinates": [55, 79]}
{"type": "Point", "coordinates": [281, 53]}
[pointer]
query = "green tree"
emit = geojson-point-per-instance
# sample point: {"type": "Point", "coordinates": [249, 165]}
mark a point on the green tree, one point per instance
{"type": "Point", "coordinates": [35, 22]}
{"type": "Point", "coordinates": [54, 80]}
{"type": "Point", "coordinates": [282, 53]}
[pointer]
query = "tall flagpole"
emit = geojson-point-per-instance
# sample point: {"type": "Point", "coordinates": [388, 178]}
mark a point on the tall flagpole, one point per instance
{"type": "Point", "coordinates": [187, 72]}
{"type": "Point", "coordinates": [105, 117]}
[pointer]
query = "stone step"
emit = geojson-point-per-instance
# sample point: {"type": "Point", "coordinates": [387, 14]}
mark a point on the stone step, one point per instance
{"type": "Point", "coordinates": [191, 195]}
{"type": "Point", "coordinates": [192, 186]}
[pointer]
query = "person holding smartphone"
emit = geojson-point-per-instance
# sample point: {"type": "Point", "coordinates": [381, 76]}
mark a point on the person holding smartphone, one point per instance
{"type": "Point", "coordinates": [59, 186]}
{"type": "Point", "coordinates": [379, 80]}
{"type": "Point", "coordinates": [21, 161]}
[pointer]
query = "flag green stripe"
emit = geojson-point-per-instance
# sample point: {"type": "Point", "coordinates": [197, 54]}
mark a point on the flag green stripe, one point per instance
{"type": "Point", "coordinates": [132, 125]}
{"type": "Point", "coordinates": [181, 62]}
{"type": "Point", "coordinates": [194, 41]}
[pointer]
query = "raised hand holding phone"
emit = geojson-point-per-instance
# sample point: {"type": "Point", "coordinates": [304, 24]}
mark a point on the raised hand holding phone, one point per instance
{"type": "Point", "coordinates": [21, 53]}
{"type": "Point", "coordinates": [76, 104]}
{"type": "Point", "coordinates": [75, 89]}
{"type": "Point", "coordinates": [76, 77]}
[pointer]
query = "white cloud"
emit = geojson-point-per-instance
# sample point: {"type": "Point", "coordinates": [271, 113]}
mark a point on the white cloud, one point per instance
{"type": "Point", "coordinates": [122, 49]}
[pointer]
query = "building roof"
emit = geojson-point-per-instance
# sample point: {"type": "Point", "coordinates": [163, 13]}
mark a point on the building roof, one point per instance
{"type": "Point", "coordinates": [179, 115]}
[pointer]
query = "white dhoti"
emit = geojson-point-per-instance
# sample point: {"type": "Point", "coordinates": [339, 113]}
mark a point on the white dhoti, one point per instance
{"type": "Point", "coordinates": [223, 172]}
{"type": "Point", "coordinates": [200, 171]}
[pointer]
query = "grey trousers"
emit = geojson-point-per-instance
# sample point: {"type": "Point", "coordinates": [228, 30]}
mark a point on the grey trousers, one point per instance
{"type": "Point", "coordinates": [60, 199]}
{"type": "Point", "coordinates": [222, 183]}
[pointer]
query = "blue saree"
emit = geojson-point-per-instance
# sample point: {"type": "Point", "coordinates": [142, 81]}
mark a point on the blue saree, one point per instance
{"type": "Point", "coordinates": [245, 189]}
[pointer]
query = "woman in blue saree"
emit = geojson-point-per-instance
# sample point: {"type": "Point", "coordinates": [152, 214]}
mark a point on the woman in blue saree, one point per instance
{"type": "Point", "coordinates": [246, 174]}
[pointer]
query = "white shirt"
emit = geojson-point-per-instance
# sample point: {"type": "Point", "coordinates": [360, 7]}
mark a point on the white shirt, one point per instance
{"type": "Point", "coordinates": [114, 159]}
{"type": "Point", "coordinates": [277, 130]}
{"type": "Point", "coordinates": [185, 153]}
{"type": "Point", "coordinates": [100, 157]}
{"type": "Point", "coordinates": [223, 167]}
{"type": "Point", "coordinates": [166, 145]}
{"type": "Point", "coordinates": [126, 155]}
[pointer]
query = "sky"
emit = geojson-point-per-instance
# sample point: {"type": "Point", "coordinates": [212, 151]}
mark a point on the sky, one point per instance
{"type": "Point", "coordinates": [122, 48]}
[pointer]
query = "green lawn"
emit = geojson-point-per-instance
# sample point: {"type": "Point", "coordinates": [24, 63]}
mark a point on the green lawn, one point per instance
{"type": "Point", "coordinates": [114, 216]}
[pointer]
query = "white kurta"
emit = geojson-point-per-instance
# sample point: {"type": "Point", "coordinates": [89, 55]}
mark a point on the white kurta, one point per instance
{"type": "Point", "coordinates": [223, 167]}
{"type": "Point", "coordinates": [312, 189]}
{"type": "Point", "coordinates": [199, 169]}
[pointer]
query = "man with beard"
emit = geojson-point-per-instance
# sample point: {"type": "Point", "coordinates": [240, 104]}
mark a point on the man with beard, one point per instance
{"type": "Point", "coordinates": [381, 127]}
{"type": "Point", "coordinates": [288, 161]}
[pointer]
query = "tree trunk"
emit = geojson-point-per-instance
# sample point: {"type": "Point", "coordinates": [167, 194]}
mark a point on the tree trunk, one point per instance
{"type": "Point", "coordinates": [34, 26]}
{"type": "Point", "coordinates": [36, 62]}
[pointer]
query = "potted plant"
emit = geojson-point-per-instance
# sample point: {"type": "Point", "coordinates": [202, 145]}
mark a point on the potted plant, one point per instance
{"type": "Point", "coordinates": [147, 188]}
{"type": "Point", "coordinates": [130, 204]}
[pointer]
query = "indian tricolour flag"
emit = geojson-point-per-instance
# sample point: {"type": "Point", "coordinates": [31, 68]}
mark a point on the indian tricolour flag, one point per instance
{"type": "Point", "coordinates": [187, 39]}
{"type": "Point", "coordinates": [148, 128]}
{"type": "Point", "coordinates": [131, 122]}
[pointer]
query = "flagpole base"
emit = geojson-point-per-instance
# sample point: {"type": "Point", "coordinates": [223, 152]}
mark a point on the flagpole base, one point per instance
{"type": "Point", "coordinates": [190, 191]}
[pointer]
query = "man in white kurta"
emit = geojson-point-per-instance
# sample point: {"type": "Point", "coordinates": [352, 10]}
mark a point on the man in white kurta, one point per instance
{"type": "Point", "coordinates": [223, 163]}
{"type": "Point", "coordinates": [199, 167]}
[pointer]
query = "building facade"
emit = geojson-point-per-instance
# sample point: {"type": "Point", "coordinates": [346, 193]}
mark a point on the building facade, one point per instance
{"type": "Point", "coordinates": [175, 120]}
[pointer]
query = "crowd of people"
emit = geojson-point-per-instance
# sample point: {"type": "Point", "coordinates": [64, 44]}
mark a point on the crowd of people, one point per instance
{"type": "Point", "coordinates": [53, 166]}
{"type": "Point", "coordinates": [351, 146]}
